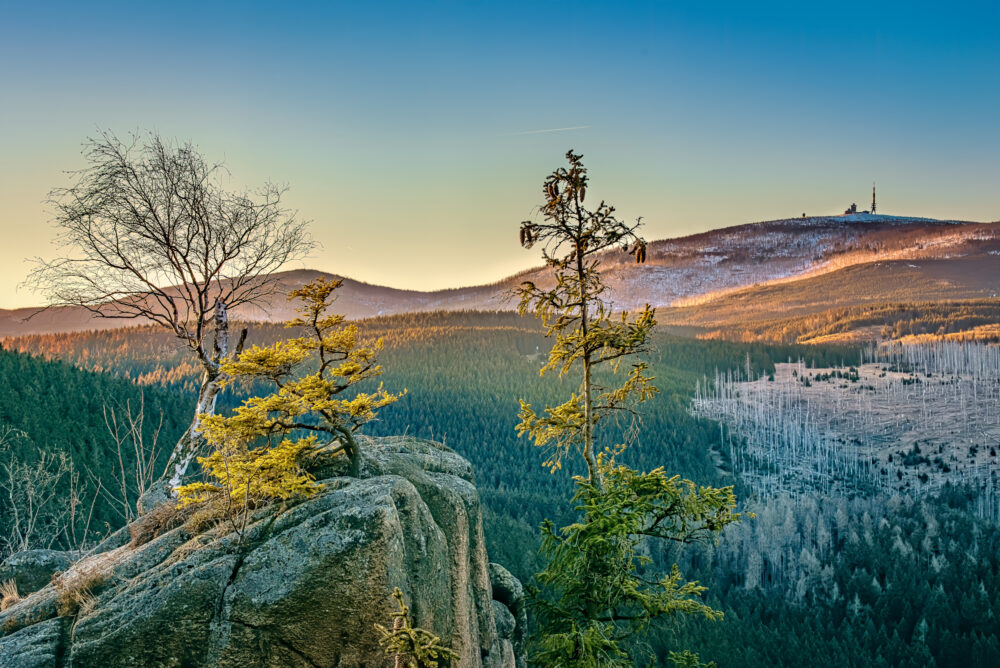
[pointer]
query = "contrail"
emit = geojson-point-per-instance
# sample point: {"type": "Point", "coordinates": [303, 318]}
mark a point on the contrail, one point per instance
{"type": "Point", "coordinates": [538, 132]}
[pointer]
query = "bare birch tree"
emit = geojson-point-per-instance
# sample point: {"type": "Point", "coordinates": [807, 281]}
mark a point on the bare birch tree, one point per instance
{"type": "Point", "coordinates": [150, 234]}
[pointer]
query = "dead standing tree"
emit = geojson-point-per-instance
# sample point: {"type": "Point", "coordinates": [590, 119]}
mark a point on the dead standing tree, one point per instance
{"type": "Point", "coordinates": [150, 234]}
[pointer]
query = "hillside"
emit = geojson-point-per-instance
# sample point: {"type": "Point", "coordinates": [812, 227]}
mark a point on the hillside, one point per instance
{"type": "Point", "coordinates": [691, 270]}
{"type": "Point", "coordinates": [801, 307]}
{"type": "Point", "coordinates": [904, 321]}
{"type": "Point", "coordinates": [52, 407]}
{"type": "Point", "coordinates": [464, 373]}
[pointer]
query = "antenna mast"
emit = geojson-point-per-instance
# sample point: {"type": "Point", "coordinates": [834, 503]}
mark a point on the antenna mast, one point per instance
{"type": "Point", "coordinates": [873, 197]}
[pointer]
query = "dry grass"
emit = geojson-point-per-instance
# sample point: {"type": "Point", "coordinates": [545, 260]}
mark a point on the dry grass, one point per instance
{"type": "Point", "coordinates": [206, 517]}
{"type": "Point", "coordinates": [9, 596]}
{"type": "Point", "coordinates": [76, 587]}
{"type": "Point", "coordinates": [157, 522]}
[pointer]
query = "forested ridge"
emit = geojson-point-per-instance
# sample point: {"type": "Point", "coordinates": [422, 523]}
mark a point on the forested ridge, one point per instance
{"type": "Point", "coordinates": [464, 373]}
{"type": "Point", "coordinates": [810, 581]}
{"type": "Point", "coordinates": [960, 320]}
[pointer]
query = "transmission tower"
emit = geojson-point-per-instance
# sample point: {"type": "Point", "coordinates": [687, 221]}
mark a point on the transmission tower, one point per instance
{"type": "Point", "coordinates": [873, 197]}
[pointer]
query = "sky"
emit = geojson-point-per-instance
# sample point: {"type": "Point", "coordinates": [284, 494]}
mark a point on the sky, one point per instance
{"type": "Point", "coordinates": [416, 136]}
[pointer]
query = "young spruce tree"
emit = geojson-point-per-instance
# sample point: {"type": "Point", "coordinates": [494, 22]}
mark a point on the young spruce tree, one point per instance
{"type": "Point", "coordinates": [599, 590]}
{"type": "Point", "coordinates": [411, 646]}
{"type": "Point", "coordinates": [258, 448]}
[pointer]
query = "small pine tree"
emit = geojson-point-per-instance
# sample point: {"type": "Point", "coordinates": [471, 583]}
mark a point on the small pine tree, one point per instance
{"type": "Point", "coordinates": [575, 315]}
{"type": "Point", "coordinates": [598, 590]}
{"type": "Point", "coordinates": [411, 646]}
{"type": "Point", "coordinates": [257, 453]}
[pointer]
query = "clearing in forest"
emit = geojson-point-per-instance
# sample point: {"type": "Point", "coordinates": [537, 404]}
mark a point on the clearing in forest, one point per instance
{"type": "Point", "coordinates": [911, 418]}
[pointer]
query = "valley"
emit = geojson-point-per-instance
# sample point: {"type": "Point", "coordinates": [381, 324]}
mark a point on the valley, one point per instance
{"type": "Point", "coordinates": [500, 335]}
{"type": "Point", "coordinates": [770, 379]}
{"type": "Point", "coordinates": [824, 524]}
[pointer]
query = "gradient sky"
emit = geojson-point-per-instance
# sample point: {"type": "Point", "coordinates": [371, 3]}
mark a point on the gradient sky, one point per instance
{"type": "Point", "coordinates": [409, 133]}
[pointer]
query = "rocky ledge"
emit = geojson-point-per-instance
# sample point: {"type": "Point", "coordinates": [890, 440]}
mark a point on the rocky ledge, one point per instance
{"type": "Point", "coordinates": [303, 586]}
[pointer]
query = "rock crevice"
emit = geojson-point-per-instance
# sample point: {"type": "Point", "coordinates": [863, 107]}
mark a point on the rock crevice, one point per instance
{"type": "Point", "coordinates": [303, 586]}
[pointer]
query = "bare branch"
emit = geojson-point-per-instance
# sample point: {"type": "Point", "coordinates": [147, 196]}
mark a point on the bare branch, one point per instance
{"type": "Point", "coordinates": [149, 233]}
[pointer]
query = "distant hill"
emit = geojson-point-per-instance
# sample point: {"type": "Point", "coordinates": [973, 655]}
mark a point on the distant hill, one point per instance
{"type": "Point", "coordinates": [695, 270]}
{"type": "Point", "coordinates": [853, 303]}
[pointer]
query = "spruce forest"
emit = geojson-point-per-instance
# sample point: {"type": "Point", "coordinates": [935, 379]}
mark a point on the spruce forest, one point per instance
{"type": "Point", "coordinates": [825, 575]}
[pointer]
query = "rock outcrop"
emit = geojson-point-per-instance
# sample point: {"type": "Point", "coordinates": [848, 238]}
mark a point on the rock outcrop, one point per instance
{"type": "Point", "coordinates": [33, 569]}
{"type": "Point", "coordinates": [302, 586]}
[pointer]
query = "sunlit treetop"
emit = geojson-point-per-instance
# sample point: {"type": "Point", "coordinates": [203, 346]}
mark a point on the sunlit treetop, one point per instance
{"type": "Point", "coordinates": [574, 240]}
{"type": "Point", "coordinates": [319, 402]}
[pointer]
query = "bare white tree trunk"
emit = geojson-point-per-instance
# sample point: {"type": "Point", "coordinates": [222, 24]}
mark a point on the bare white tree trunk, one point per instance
{"type": "Point", "coordinates": [189, 444]}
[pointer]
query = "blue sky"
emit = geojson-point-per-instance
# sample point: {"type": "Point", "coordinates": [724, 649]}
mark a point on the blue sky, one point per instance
{"type": "Point", "coordinates": [406, 131]}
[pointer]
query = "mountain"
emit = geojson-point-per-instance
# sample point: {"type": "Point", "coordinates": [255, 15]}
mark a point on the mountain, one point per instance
{"type": "Point", "coordinates": [961, 258]}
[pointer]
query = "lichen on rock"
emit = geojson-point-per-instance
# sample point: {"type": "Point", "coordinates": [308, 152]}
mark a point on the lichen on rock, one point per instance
{"type": "Point", "coordinates": [304, 585]}
{"type": "Point", "coordinates": [33, 569]}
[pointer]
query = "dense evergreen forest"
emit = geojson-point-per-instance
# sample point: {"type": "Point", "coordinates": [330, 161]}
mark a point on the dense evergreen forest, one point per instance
{"type": "Point", "coordinates": [897, 581]}
{"type": "Point", "coordinates": [810, 581]}
{"type": "Point", "coordinates": [49, 408]}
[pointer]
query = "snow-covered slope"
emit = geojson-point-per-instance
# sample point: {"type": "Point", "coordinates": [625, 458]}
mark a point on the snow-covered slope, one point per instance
{"type": "Point", "coordinates": [703, 267]}
{"type": "Point", "coordinates": [678, 272]}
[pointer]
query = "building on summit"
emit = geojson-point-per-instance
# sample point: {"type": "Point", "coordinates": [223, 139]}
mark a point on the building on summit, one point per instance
{"type": "Point", "coordinates": [854, 207]}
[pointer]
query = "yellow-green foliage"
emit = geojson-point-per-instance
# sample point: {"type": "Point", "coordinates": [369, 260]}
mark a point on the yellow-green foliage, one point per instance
{"type": "Point", "coordinates": [314, 401]}
{"type": "Point", "coordinates": [246, 469]}
{"type": "Point", "coordinates": [575, 315]}
{"type": "Point", "coordinates": [599, 588]}
{"type": "Point", "coordinates": [411, 646]}
{"type": "Point", "coordinates": [252, 476]}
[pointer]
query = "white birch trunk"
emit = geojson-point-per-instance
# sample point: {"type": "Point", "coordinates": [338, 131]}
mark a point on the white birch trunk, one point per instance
{"type": "Point", "coordinates": [189, 444]}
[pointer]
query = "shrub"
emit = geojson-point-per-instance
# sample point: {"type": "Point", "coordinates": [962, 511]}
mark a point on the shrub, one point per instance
{"type": "Point", "coordinates": [244, 479]}
{"type": "Point", "coordinates": [247, 470]}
